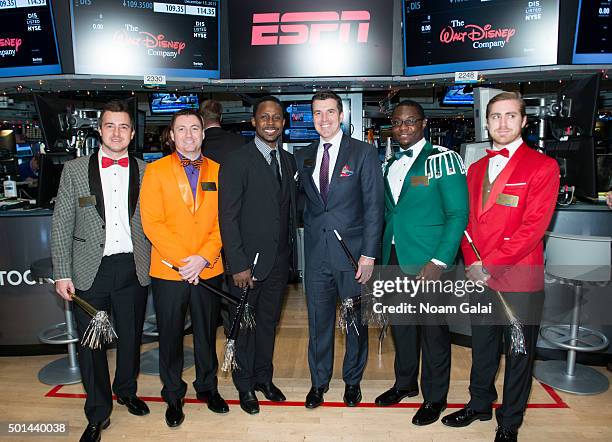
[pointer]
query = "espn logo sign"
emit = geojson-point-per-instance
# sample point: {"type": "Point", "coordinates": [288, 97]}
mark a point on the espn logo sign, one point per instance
{"type": "Point", "coordinates": [307, 27]}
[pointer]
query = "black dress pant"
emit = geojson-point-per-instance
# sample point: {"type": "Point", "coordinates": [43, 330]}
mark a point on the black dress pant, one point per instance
{"type": "Point", "coordinates": [116, 290]}
{"type": "Point", "coordinates": [487, 345]}
{"type": "Point", "coordinates": [171, 299]}
{"type": "Point", "coordinates": [255, 348]}
{"type": "Point", "coordinates": [431, 338]}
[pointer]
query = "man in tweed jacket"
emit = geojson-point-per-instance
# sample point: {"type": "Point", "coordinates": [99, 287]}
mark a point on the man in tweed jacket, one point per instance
{"type": "Point", "coordinates": [100, 252]}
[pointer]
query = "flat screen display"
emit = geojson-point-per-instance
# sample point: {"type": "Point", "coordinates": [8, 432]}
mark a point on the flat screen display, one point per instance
{"type": "Point", "coordinates": [127, 37]}
{"type": "Point", "coordinates": [149, 157]}
{"type": "Point", "coordinates": [593, 44]}
{"type": "Point", "coordinates": [310, 38]}
{"type": "Point", "coordinates": [463, 35]}
{"type": "Point", "coordinates": [455, 96]}
{"type": "Point", "coordinates": [165, 103]}
{"type": "Point", "coordinates": [299, 125]}
{"type": "Point", "coordinates": [28, 44]}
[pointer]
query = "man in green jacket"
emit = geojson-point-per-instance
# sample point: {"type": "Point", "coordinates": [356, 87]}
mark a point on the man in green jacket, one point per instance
{"type": "Point", "coordinates": [426, 211]}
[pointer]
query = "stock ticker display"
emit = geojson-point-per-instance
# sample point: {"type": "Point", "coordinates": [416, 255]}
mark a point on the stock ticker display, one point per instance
{"type": "Point", "coordinates": [28, 44]}
{"type": "Point", "coordinates": [461, 35]}
{"type": "Point", "coordinates": [129, 37]}
{"type": "Point", "coordinates": [593, 44]}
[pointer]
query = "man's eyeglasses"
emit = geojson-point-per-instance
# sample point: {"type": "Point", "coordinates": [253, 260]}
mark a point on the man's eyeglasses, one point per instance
{"type": "Point", "coordinates": [409, 122]}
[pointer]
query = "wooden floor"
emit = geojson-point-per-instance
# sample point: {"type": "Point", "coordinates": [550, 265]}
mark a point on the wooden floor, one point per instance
{"type": "Point", "coordinates": [551, 416]}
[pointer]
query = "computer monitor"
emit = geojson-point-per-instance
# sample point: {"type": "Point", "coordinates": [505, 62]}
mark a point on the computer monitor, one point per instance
{"type": "Point", "coordinates": [576, 158]}
{"type": "Point", "coordinates": [24, 150]}
{"type": "Point", "coordinates": [149, 157]}
{"type": "Point", "coordinates": [7, 140]}
{"type": "Point", "coordinates": [577, 104]}
{"type": "Point", "coordinates": [50, 172]}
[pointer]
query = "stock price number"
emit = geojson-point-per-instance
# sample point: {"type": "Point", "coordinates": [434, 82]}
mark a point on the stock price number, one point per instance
{"type": "Point", "coordinates": [97, 26]}
{"type": "Point", "coordinates": [604, 12]}
{"type": "Point", "coordinates": [137, 4]}
{"type": "Point", "coordinates": [8, 4]}
{"type": "Point", "coordinates": [177, 9]}
{"type": "Point", "coordinates": [425, 28]}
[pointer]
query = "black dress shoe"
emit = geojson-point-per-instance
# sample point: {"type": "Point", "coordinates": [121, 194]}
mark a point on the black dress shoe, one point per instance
{"type": "Point", "coordinates": [394, 395]}
{"type": "Point", "coordinates": [352, 395]}
{"type": "Point", "coordinates": [314, 398]}
{"type": "Point", "coordinates": [428, 413]}
{"type": "Point", "coordinates": [174, 413]}
{"type": "Point", "coordinates": [505, 435]}
{"type": "Point", "coordinates": [249, 402]}
{"type": "Point", "coordinates": [465, 417]}
{"type": "Point", "coordinates": [215, 402]}
{"type": "Point", "coordinates": [271, 392]}
{"type": "Point", "coordinates": [93, 432]}
{"type": "Point", "coordinates": [134, 405]}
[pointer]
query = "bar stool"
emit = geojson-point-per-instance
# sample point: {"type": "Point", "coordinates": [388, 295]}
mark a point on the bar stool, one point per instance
{"type": "Point", "coordinates": [576, 260]}
{"type": "Point", "coordinates": [65, 370]}
{"type": "Point", "coordinates": [149, 360]}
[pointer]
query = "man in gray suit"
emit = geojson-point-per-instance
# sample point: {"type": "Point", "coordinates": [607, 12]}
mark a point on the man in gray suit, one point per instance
{"type": "Point", "coordinates": [100, 252]}
{"type": "Point", "coordinates": [342, 180]}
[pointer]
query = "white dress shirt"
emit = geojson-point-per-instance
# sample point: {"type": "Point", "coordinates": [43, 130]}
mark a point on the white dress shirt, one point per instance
{"type": "Point", "coordinates": [333, 156]}
{"type": "Point", "coordinates": [498, 162]}
{"type": "Point", "coordinates": [400, 168]}
{"type": "Point", "coordinates": [115, 184]}
{"type": "Point", "coordinates": [397, 174]}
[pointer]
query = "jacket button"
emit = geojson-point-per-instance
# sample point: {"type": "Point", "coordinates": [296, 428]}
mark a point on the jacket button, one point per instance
{"type": "Point", "coordinates": [324, 230]}
{"type": "Point", "coordinates": [101, 245]}
{"type": "Point", "coordinates": [103, 226]}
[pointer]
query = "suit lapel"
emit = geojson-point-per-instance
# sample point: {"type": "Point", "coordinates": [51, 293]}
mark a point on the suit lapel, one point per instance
{"type": "Point", "coordinates": [202, 176]}
{"type": "Point", "coordinates": [95, 184]}
{"type": "Point", "coordinates": [503, 178]}
{"type": "Point", "coordinates": [476, 194]}
{"type": "Point", "coordinates": [183, 183]}
{"type": "Point", "coordinates": [311, 159]}
{"type": "Point", "coordinates": [343, 155]}
{"type": "Point", "coordinates": [417, 167]}
{"type": "Point", "coordinates": [133, 186]}
{"type": "Point", "coordinates": [388, 193]}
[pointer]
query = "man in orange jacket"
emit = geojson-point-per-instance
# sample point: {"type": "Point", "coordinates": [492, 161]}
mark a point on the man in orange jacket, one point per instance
{"type": "Point", "coordinates": [179, 212]}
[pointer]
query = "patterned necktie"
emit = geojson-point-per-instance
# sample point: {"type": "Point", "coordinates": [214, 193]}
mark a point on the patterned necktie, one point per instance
{"type": "Point", "coordinates": [503, 152]}
{"type": "Point", "coordinates": [324, 172]}
{"type": "Point", "coordinates": [195, 163]}
{"type": "Point", "coordinates": [274, 166]}
{"type": "Point", "coordinates": [400, 153]}
{"type": "Point", "coordinates": [108, 162]}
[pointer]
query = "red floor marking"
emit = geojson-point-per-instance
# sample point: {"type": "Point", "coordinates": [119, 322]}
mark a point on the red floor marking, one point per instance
{"type": "Point", "coordinates": [558, 402]}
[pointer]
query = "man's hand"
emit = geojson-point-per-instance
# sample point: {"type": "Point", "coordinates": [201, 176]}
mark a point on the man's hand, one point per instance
{"type": "Point", "coordinates": [476, 273]}
{"type": "Point", "coordinates": [364, 270]}
{"type": "Point", "coordinates": [190, 272]}
{"type": "Point", "coordinates": [243, 279]}
{"type": "Point", "coordinates": [64, 288]}
{"type": "Point", "coordinates": [609, 199]}
{"type": "Point", "coordinates": [430, 272]}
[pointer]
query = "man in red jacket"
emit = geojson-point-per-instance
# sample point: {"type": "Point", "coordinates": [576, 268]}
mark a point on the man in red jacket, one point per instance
{"type": "Point", "coordinates": [513, 191]}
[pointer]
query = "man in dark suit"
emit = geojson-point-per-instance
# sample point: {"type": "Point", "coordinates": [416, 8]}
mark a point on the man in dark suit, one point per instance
{"type": "Point", "coordinates": [342, 180]}
{"type": "Point", "coordinates": [218, 143]}
{"type": "Point", "coordinates": [257, 215]}
{"type": "Point", "coordinates": [99, 251]}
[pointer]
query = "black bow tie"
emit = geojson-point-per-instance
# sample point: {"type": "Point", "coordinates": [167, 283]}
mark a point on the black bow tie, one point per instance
{"type": "Point", "coordinates": [400, 153]}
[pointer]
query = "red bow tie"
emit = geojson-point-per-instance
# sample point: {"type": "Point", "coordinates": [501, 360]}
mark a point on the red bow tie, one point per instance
{"type": "Point", "coordinates": [108, 162]}
{"type": "Point", "coordinates": [503, 152]}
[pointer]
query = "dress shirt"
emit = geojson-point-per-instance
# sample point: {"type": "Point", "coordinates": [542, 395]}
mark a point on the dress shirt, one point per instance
{"type": "Point", "coordinates": [265, 150]}
{"type": "Point", "coordinates": [115, 185]}
{"type": "Point", "coordinates": [498, 162]}
{"type": "Point", "coordinates": [397, 174]}
{"type": "Point", "coordinates": [399, 169]}
{"type": "Point", "coordinates": [333, 156]}
{"type": "Point", "coordinates": [192, 173]}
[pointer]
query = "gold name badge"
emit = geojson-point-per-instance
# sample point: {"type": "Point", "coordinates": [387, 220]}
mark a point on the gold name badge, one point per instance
{"type": "Point", "coordinates": [419, 181]}
{"type": "Point", "coordinates": [87, 201]}
{"type": "Point", "coordinates": [507, 200]}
